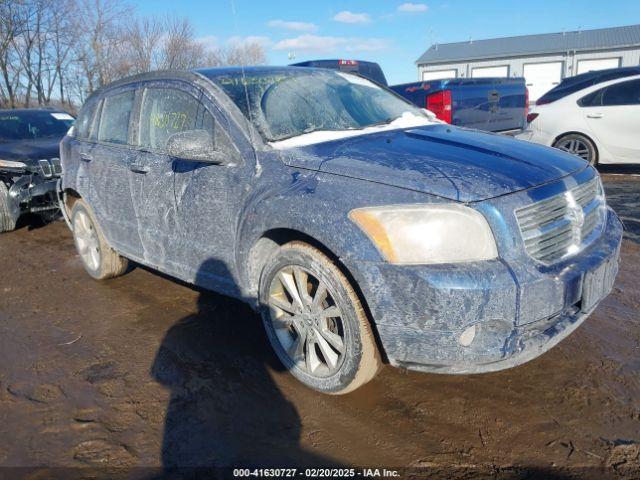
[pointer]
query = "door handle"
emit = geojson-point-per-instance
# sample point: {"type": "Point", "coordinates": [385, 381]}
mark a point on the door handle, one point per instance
{"type": "Point", "coordinates": [594, 115]}
{"type": "Point", "coordinates": [138, 168]}
{"type": "Point", "coordinates": [85, 157]}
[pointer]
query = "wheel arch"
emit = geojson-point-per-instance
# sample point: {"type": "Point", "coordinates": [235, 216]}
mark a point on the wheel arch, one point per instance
{"type": "Point", "coordinates": [268, 244]}
{"type": "Point", "coordinates": [70, 197]}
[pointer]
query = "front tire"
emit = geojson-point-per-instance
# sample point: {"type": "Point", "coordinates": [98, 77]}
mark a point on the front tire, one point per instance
{"type": "Point", "coordinates": [579, 145]}
{"type": "Point", "coordinates": [315, 321]}
{"type": "Point", "coordinates": [7, 222]}
{"type": "Point", "coordinates": [98, 258]}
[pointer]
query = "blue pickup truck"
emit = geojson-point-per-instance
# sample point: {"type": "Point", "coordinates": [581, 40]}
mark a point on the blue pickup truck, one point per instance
{"type": "Point", "coordinates": [490, 104]}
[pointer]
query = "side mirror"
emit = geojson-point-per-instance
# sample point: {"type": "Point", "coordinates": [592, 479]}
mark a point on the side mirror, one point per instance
{"type": "Point", "coordinates": [195, 146]}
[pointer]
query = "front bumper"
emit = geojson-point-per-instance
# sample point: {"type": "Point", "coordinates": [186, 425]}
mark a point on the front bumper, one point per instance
{"type": "Point", "coordinates": [420, 312]}
{"type": "Point", "coordinates": [32, 193]}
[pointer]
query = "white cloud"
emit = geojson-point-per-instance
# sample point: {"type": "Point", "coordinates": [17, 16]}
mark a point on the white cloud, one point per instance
{"type": "Point", "coordinates": [296, 26]}
{"type": "Point", "coordinates": [326, 44]}
{"type": "Point", "coordinates": [210, 42]}
{"type": "Point", "coordinates": [349, 17]}
{"type": "Point", "coordinates": [266, 42]}
{"type": "Point", "coordinates": [412, 7]}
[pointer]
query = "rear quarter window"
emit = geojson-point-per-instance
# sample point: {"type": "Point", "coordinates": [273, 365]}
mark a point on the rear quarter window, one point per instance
{"type": "Point", "coordinates": [623, 93]}
{"type": "Point", "coordinates": [85, 120]}
{"type": "Point", "coordinates": [114, 120]}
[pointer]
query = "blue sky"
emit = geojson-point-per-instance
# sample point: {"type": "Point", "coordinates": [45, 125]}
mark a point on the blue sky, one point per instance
{"type": "Point", "coordinates": [392, 33]}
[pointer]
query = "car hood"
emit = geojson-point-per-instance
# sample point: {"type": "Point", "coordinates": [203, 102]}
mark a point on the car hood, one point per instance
{"type": "Point", "coordinates": [30, 149]}
{"type": "Point", "coordinates": [450, 162]}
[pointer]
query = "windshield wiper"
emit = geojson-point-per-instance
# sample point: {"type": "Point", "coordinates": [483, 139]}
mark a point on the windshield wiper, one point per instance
{"type": "Point", "coordinates": [380, 123]}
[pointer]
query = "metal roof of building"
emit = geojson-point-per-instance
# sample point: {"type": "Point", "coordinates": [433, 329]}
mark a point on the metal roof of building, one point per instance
{"type": "Point", "coordinates": [603, 38]}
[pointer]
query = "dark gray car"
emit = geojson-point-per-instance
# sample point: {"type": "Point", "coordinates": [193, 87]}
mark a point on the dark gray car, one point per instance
{"type": "Point", "coordinates": [29, 163]}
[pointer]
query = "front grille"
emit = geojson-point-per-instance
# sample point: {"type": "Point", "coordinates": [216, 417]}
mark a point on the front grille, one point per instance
{"type": "Point", "coordinates": [559, 226]}
{"type": "Point", "coordinates": [45, 167]}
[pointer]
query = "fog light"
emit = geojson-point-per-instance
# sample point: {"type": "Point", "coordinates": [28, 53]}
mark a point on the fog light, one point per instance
{"type": "Point", "coordinates": [467, 336]}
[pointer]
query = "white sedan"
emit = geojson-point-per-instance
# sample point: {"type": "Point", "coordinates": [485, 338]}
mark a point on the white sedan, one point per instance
{"type": "Point", "coordinates": [600, 123]}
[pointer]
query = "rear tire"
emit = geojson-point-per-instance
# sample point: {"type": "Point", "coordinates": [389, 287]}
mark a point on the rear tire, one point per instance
{"type": "Point", "coordinates": [7, 222]}
{"type": "Point", "coordinates": [315, 321]}
{"type": "Point", "coordinates": [578, 145]}
{"type": "Point", "coordinates": [98, 258]}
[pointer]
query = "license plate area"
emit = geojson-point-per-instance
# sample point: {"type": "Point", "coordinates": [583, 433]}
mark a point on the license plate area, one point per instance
{"type": "Point", "coordinates": [598, 283]}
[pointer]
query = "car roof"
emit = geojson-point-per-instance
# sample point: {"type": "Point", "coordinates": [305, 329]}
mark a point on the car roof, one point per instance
{"type": "Point", "coordinates": [215, 72]}
{"type": "Point", "coordinates": [573, 96]}
{"type": "Point", "coordinates": [194, 75]}
{"type": "Point", "coordinates": [598, 74]}
{"type": "Point", "coordinates": [331, 60]}
{"type": "Point", "coordinates": [570, 85]}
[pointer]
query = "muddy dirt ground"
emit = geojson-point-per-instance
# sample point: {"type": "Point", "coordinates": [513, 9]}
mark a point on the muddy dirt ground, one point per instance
{"type": "Point", "coordinates": [142, 371]}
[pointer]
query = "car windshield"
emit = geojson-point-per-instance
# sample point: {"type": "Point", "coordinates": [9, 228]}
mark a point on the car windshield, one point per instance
{"type": "Point", "coordinates": [21, 125]}
{"type": "Point", "coordinates": [287, 103]}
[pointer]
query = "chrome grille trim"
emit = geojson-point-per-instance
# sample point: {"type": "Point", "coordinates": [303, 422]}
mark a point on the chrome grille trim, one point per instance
{"type": "Point", "coordinates": [45, 168]}
{"type": "Point", "coordinates": [55, 164]}
{"type": "Point", "coordinates": [560, 226]}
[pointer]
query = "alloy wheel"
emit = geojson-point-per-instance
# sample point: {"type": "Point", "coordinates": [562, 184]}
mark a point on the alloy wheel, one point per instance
{"type": "Point", "coordinates": [87, 240]}
{"type": "Point", "coordinates": [307, 321]}
{"type": "Point", "coordinates": [576, 147]}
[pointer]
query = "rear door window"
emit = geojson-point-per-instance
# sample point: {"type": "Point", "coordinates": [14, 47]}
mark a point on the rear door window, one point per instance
{"type": "Point", "coordinates": [625, 93]}
{"type": "Point", "coordinates": [167, 111]}
{"type": "Point", "coordinates": [114, 120]}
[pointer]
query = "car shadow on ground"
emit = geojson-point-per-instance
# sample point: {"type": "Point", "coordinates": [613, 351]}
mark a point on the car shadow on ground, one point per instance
{"type": "Point", "coordinates": [225, 409]}
{"type": "Point", "coordinates": [32, 221]}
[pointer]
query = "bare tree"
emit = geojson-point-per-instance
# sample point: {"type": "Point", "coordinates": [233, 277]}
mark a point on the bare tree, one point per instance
{"type": "Point", "coordinates": [142, 43]}
{"type": "Point", "coordinates": [100, 39]}
{"type": "Point", "coordinates": [10, 27]}
{"type": "Point", "coordinates": [180, 50]}
{"type": "Point", "coordinates": [249, 53]}
{"type": "Point", "coordinates": [60, 51]}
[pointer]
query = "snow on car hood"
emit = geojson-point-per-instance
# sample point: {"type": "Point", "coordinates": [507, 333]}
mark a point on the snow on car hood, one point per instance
{"type": "Point", "coordinates": [454, 163]}
{"type": "Point", "coordinates": [407, 120]}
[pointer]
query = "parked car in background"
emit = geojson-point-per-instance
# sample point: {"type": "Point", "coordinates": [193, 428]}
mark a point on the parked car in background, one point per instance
{"type": "Point", "coordinates": [490, 104]}
{"type": "Point", "coordinates": [599, 123]}
{"type": "Point", "coordinates": [29, 162]}
{"type": "Point", "coordinates": [361, 228]}
{"type": "Point", "coordinates": [370, 70]}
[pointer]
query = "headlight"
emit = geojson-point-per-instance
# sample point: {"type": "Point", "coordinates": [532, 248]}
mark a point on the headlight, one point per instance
{"type": "Point", "coordinates": [427, 234]}
{"type": "Point", "coordinates": [12, 164]}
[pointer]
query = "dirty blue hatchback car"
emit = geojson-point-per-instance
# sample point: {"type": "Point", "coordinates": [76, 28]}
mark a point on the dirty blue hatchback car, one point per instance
{"type": "Point", "coordinates": [363, 229]}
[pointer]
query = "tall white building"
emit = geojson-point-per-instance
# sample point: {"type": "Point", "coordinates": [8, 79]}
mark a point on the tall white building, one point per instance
{"type": "Point", "coordinates": [543, 59]}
